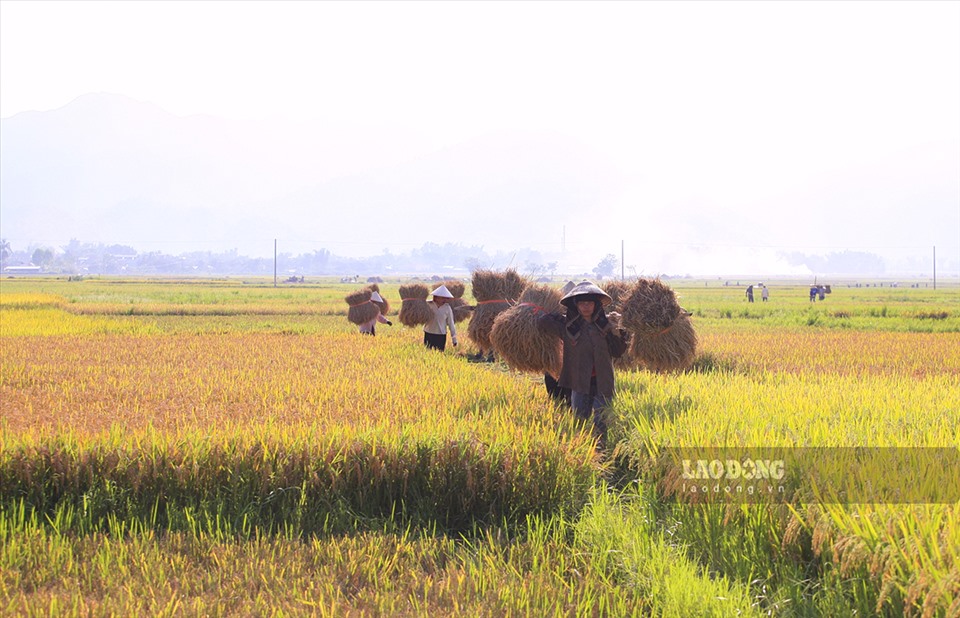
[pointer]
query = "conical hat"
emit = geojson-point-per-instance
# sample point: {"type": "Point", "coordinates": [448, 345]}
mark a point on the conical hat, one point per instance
{"type": "Point", "coordinates": [375, 297]}
{"type": "Point", "coordinates": [586, 288]}
{"type": "Point", "coordinates": [442, 292]}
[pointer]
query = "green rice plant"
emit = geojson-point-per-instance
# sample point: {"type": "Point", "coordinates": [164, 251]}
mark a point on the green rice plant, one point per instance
{"type": "Point", "coordinates": [798, 561]}
{"type": "Point", "coordinates": [531, 570]}
{"type": "Point", "coordinates": [300, 478]}
{"type": "Point", "coordinates": [622, 532]}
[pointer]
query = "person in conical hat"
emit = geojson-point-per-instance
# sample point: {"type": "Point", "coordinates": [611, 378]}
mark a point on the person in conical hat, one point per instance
{"type": "Point", "coordinates": [435, 331]}
{"type": "Point", "coordinates": [591, 341]}
{"type": "Point", "coordinates": [370, 327]}
{"type": "Point", "coordinates": [441, 292]}
{"type": "Point", "coordinates": [586, 289]}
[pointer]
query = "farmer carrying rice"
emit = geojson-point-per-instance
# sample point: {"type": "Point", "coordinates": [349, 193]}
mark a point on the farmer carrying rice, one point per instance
{"type": "Point", "coordinates": [370, 326]}
{"type": "Point", "coordinates": [435, 330]}
{"type": "Point", "coordinates": [590, 343]}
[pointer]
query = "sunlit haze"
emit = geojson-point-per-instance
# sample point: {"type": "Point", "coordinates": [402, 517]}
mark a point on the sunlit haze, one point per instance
{"type": "Point", "coordinates": [698, 137]}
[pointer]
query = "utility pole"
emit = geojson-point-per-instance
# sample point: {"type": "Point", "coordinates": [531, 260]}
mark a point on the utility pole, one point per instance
{"type": "Point", "coordinates": [274, 262]}
{"type": "Point", "coordinates": [934, 267]}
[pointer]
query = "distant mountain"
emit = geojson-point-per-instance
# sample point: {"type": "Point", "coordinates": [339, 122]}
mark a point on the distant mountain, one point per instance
{"type": "Point", "coordinates": [111, 169]}
{"type": "Point", "coordinates": [108, 167]}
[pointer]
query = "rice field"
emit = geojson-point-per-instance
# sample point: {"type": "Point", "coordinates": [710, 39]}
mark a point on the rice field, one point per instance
{"type": "Point", "coordinates": [225, 447]}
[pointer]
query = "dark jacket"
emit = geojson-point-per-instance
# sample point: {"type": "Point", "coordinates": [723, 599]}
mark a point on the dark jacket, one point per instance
{"type": "Point", "coordinates": [588, 348]}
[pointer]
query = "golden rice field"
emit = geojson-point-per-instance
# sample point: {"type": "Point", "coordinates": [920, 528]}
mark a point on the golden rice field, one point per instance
{"type": "Point", "coordinates": [225, 447]}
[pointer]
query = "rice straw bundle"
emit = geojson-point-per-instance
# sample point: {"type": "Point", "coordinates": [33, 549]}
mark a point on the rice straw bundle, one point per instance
{"type": "Point", "coordinates": [618, 291]}
{"type": "Point", "coordinates": [662, 335]}
{"type": "Point", "coordinates": [670, 349]}
{"type": "Point", "coordinates": [487, 285]}
{"type": "Point", "coordinates": [456, 287]}
{"type": "Point", "coordinates": [493, 291]}
{"type": "Point", "coordinates": [461, 310]}
{"type": "Point", "coordinates": [414, 310]}
{"type": "Point", "coordinates": [513, 284]}
{"type": "Point", "coordinates": [361, 308]}
{"type": "Point", "coordinates": [649, 306]}
{"type": "Point", "coordinates": [482, 322]}
{"type": "Point", "coordinates": [385, 305]}
{"type": "Point", "coordinates": [627, 361]}
{"type": "Point", "coordinates": [516, 338]}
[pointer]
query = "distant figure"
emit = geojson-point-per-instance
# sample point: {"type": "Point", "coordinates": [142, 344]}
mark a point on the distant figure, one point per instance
{"type": "Point", "coordinates": [764, 293]}
{"type": "Point", "coordinates": [821, 291]}
{"type": "Point", "coordinates": [813, 293]}
{"type": "Point", "coordinates": [750, 293]}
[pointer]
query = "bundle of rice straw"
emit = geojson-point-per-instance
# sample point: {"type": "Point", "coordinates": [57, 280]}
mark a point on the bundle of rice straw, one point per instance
{"type": "Point", "coordinates": [385, 305]}
{"type": "Point", "coordinates": [513, 284]}
{"type": "Point", "coordinates": [516, 338]}
{"type": "Point", "coordinates": [649, 306]}
{"type": "Point", "coordinates": [414, 310]}
{"type": "Point", "coordinates": [493, 291]}
{"type": "Point", "coordinates": [662, 335]}
{"type": "Point", "coordinates": [456, 287]}
{"type": "Point", "coordinates": [671, 349]}
{"type": "Point", "coordinates": [461, 311]}
{"type": "Point", "coordinates": [361, 308]}
{"type": "Point", "coordinates": [487, 285]}
{"type": "Point", "coordinates": [618, 291]}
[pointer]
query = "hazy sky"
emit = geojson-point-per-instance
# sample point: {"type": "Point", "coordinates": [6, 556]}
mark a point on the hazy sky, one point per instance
{"type": "Point", "coordinates": [741, 128]}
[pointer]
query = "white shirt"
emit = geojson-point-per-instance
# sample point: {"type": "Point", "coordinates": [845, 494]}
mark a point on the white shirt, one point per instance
{"type": "Point", "coordinates": [367, 327]}
{"type": "Point", "coordinates": [442, 319]}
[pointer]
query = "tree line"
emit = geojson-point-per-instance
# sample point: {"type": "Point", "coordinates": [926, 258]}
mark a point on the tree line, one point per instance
{"type": "Point", "coordinates": [86, 258]}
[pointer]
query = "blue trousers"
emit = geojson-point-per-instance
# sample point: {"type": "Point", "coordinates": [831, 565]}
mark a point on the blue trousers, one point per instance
{"type": "Point", "coordinates": [586, 406]}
